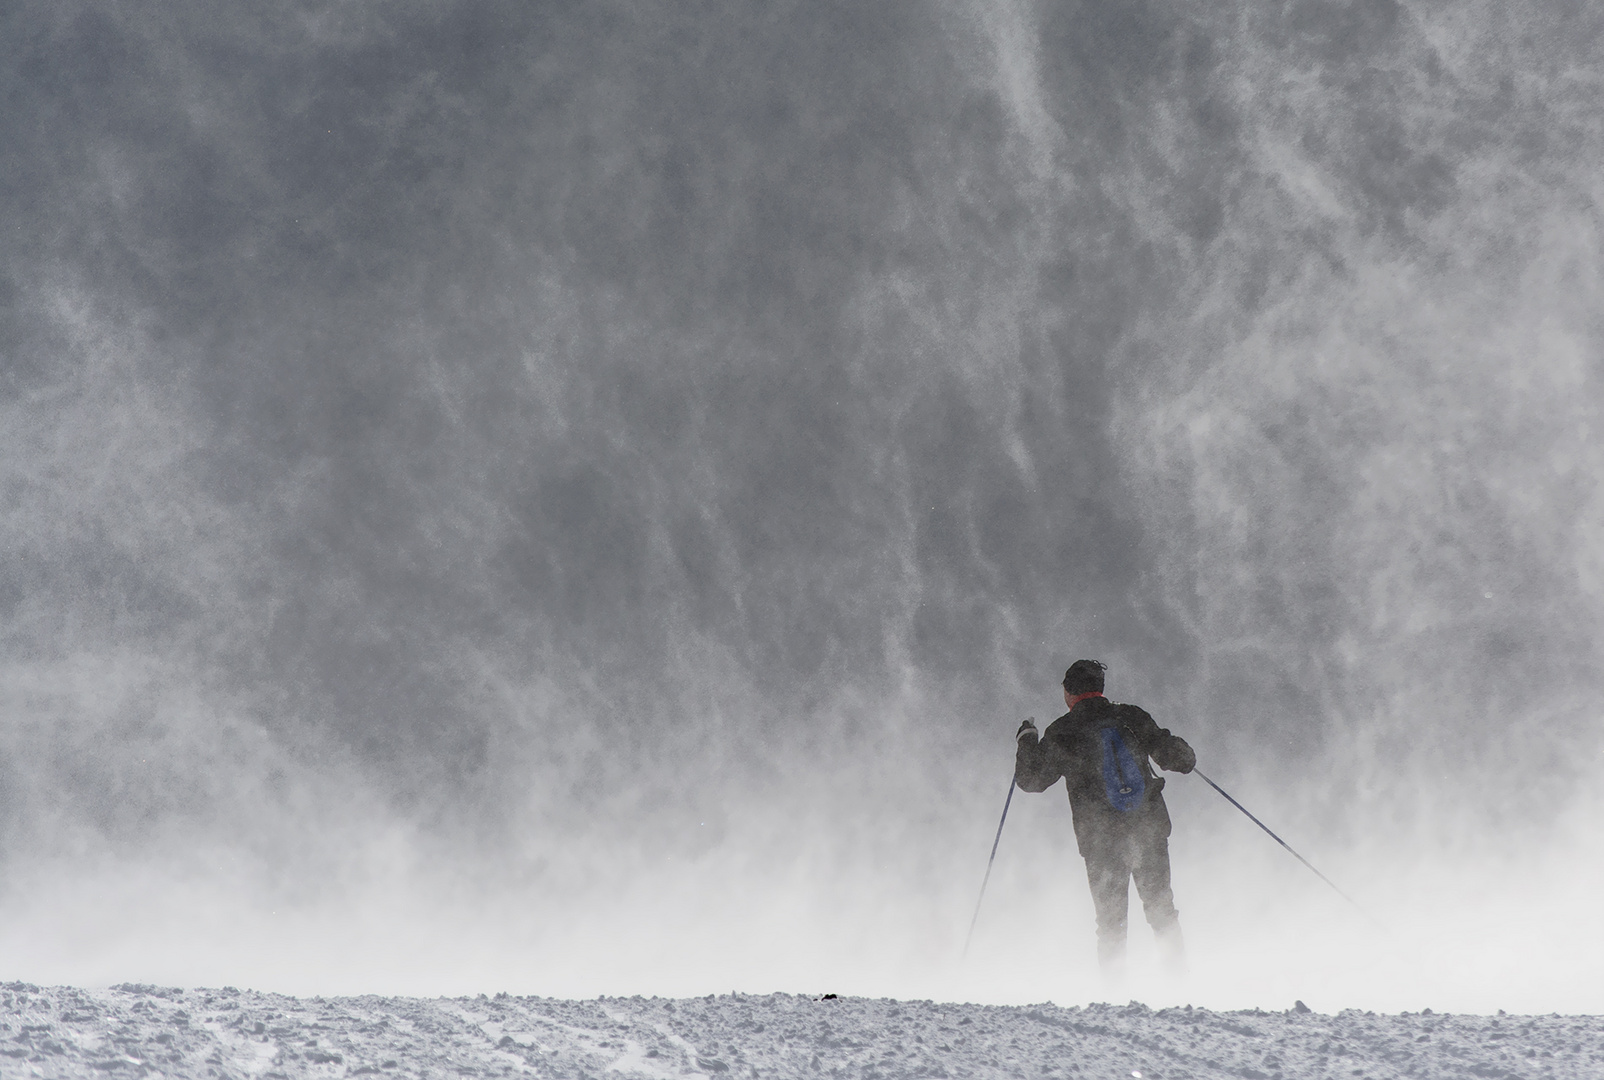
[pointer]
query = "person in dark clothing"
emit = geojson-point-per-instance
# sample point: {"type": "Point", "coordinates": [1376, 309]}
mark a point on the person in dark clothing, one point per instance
{"type": "Point", "coordinates": [1122, 827]}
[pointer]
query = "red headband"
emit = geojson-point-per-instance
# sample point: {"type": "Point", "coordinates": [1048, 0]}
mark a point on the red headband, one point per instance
{"type": "Point", "coordinates": [1078, 698]}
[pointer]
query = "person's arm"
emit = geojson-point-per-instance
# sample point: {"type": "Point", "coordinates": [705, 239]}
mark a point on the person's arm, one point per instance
{"type": "Point", "coordinates": [1173, 753]}
{"type": "Point", "coordinates": [1036, 763]}
{"type": "Point", "coordinates": [1169, 752]}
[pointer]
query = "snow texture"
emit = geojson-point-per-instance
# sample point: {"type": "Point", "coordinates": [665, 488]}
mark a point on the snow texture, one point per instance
{"type": "Point", "coordinates": [150, 1031]}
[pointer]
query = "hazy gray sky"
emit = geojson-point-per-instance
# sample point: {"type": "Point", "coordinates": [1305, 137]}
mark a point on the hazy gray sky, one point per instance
{"type": "Point", "coordinates": [573, 427]}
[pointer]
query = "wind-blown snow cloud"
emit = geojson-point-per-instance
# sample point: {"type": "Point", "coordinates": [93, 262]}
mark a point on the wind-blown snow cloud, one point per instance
{"type": "Point", "coordinates": [504, 461]}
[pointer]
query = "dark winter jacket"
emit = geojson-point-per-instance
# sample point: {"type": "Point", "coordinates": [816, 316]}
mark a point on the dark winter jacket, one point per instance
{"type": "Point", "coordinates": [1071, 748]}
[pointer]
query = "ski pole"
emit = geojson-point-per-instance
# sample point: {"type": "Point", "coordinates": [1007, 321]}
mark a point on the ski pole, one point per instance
{"type": "Point", "coordinates": [1288, 846]}
{"type": "Point", "coordinates": [989, 861]}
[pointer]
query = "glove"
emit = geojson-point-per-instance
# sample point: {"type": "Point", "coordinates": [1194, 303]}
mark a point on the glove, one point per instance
{"type": "Point", "coordinates": [1177, 756]}
{"type": "Point", "coordinates": [1028, 727]}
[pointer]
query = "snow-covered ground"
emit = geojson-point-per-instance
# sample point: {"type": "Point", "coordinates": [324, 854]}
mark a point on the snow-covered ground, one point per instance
{"type": "Point", "coordinates": [153, 1032]}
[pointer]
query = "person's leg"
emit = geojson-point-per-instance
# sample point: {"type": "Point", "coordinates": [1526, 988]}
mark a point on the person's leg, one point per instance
{"type": "Point", "coordinates": [1152, 874]}
{"type": "Point", "coordinates": [1109, 875]}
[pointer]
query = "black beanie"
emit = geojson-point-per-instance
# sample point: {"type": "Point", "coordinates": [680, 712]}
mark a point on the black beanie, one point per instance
{"type": "Point", "coordinates": [1084, 677]}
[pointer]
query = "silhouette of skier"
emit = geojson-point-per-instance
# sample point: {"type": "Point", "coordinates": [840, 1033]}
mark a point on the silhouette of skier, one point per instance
{"type": "Point", "coordinates": [1122, 826]}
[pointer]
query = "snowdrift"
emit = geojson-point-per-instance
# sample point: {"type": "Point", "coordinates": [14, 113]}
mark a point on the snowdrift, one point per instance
{"type": "Point", "coordinates": [150, 1031]}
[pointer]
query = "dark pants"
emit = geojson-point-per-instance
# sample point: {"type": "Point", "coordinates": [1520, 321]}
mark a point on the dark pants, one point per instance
{"type": "Point", "coordinates": [1111, 862]}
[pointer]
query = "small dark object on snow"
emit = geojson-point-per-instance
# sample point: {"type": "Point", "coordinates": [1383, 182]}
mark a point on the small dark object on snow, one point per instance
{"type": "Point", "coordinates": [828, 997]}
{"type": "Point", "coordinates": [1300, 1007]}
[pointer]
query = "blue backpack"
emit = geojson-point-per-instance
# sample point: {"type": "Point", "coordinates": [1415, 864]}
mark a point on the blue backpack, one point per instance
{"type": "Point", "coordinates": [1122, 773]}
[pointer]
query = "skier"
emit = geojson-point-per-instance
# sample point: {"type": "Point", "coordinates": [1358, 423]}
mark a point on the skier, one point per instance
{"type": "Point", "coordinates": [1122, 827]}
